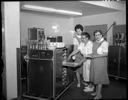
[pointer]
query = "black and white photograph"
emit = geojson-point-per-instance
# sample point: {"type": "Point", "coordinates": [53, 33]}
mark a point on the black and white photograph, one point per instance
{"type": "Point", "coordinates": [63, 50]}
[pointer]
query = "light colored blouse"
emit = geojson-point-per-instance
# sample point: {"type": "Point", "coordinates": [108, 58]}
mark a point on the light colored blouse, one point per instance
{"type": "Point", "coordinates": [103, 47]}
{"type": "Point", "coordinates": [86, 49]}
{"type": "Point", "coordinates": [75, 41]}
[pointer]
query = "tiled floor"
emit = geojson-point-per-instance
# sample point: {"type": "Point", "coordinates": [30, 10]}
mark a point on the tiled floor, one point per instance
{"type": "Point", "coordinates": [116, 90]}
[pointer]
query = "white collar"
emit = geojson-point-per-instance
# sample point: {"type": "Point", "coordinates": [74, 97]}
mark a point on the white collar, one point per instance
{"type": "Point", "coordinates": [100, 40]}
{"type": "Point", "coordinates": [79, 36]}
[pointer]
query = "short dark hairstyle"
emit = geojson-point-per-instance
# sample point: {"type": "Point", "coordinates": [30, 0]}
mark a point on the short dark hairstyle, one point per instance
{"type": "Point", "coordinates": [79, 26]}
{"type": "Point", "coordinates": [86, 34]}
{"type": "Point", "coordinates": [97, 31]}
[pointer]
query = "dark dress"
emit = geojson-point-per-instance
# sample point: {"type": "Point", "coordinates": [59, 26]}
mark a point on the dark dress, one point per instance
{"type": "Point", "coordinates": [98, 69]}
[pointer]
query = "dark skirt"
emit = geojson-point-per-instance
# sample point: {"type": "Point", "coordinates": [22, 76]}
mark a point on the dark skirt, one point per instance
{"type": "Point", "coordinates": [79, 57]}
{"type": "Point", "coordinates": [98, 71]}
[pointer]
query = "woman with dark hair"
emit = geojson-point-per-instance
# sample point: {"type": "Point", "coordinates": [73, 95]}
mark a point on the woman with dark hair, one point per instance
{"type": "Point", "coordinates": [84, 49]}
{"type": "Point", "coordinates": [76, 42]}
{"type": "Point", "coordinates": [98, 74]}
{"type": "Point", "coordinates": [77, 36]}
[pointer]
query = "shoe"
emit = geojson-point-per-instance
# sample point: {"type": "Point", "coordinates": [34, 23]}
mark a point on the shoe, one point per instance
{"type": "Point", "coordinates": [78, 85]}
{"type": "Point", "coordinates": [85, 83]}
{"type": "Point", "coordinates": [88, 89]}
{"type": "Point", "coordinates": [86, 86]}
{"type": "Point", "coordinates": [93, 94]}
{"type": "Point", "coordinates": [98, 97]}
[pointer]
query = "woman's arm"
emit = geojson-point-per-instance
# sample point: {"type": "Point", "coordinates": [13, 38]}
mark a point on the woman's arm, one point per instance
{"type": "Point", "coordinates": [100, 55]}
{"type": "Point", "coordinates": [79, 40]}
{"type": "Point", "coordinates": [96, 55]}
{"type": "Point", "coordinates": [83, 60]}
{"type": "Point", "coordinates": [73, 53]}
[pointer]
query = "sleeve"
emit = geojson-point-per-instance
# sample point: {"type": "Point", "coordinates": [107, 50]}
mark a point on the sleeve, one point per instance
{"type": "Point", "coordinates": [80, 47]}
{"type": "Point", "coordinates": [105, 47]}
{"type": "Point", "coordinates": [75, 42]}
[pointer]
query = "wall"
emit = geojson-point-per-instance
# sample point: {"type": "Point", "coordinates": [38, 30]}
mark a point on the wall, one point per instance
{"type": "Point", "coordinates": [46, 21]}
{"type": "Point", "coordinates": [12, 41]}
{"type": "Point", "coordinates": [67, 24]}
{"type": "Point", "coordinates": [108, 18]}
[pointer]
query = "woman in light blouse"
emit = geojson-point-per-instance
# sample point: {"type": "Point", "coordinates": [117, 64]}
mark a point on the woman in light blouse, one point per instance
{"type": "Point", "coordinates": [98, 71]}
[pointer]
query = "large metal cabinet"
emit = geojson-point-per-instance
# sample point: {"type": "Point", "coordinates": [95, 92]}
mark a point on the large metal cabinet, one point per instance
{"type": "Point", "coordinates": [117, 62]}
{"type": "Point", "coordinates": [46, 77]}
{"type": "Point", "coordinates": [117, 53]}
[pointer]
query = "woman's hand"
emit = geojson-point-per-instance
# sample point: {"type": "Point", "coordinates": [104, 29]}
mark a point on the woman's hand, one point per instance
{"type": "Point", "coordinates": [80, 63]}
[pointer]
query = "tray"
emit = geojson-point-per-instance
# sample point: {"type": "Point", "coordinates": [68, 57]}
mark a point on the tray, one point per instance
{"type": "Point", "coordinates": [70, 64]}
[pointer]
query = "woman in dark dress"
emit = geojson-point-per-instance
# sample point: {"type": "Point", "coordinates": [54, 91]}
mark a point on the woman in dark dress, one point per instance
{"type": "Point", "coordinates": [98, 74]}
